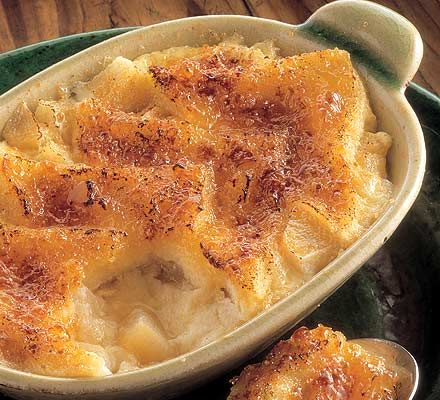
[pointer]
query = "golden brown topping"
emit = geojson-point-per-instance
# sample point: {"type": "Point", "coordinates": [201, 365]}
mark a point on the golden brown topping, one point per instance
{"type": "Point", "coordinates": [317, 364]}
{"type": "Point", "coordinates": [145, 202]}
{"type": "Point", "coordinates": [109, 136]}
{"type": "Point", "coordinates": [265, 143]}
{"type": "Point", "coordinates": [247, 172]}
{"type": "Point", "coordinates": [39, 272]}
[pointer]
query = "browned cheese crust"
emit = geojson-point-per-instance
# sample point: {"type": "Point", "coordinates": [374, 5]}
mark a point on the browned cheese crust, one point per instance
{"type": "Point", "coordinates": [317, 364]}
{"type": "Point", "coordinates": [231, 163]}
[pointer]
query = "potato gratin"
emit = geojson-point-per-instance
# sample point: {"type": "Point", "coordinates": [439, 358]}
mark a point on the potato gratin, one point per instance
{"type": "Point", "coordinates": [317, 364]}
{"type": "Point", "coordinates": [171, 198]}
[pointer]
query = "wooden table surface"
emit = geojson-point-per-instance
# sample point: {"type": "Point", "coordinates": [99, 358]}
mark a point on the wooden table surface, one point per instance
{"type": "Point", "coordinates": [24, 22]}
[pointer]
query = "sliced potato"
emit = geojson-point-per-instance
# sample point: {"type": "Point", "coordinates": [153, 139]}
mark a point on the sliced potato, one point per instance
{"type": "Point", "coordinates": [122, 85]}
{"type": "Point", "coordinates": [21, 130]}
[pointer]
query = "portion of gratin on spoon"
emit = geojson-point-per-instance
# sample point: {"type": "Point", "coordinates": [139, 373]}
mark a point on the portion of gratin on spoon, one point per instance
{"type": "Point", "coordinates": [320, 364]}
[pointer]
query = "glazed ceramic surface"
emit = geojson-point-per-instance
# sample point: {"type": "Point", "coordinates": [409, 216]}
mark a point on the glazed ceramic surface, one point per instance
{"type": "Point", "coordinates": [387, 50]}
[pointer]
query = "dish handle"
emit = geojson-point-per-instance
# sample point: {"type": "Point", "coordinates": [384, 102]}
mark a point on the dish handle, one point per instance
{"type": "Point", "coordinates": [378, 38]}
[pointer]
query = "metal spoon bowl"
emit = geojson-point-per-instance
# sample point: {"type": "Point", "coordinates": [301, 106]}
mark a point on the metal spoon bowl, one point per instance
{"type": "Point", "coordinates": [400, 360]}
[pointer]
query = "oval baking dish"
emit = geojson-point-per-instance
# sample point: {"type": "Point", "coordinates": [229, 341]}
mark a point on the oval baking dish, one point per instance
{"type": "Point", "coordinates": [386, 50]}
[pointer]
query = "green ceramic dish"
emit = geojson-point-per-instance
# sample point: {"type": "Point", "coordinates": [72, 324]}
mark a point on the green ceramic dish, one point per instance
{"type": "Point", "coordinates": [394, 295]}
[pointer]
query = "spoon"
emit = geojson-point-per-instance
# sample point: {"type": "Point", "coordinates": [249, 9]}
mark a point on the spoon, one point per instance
{"type": "Point", "coordinates": [399, 360]}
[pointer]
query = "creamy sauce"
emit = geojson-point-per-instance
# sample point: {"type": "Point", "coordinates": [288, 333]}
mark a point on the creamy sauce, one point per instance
{"type": "Point", "coordinates": [176, 196]}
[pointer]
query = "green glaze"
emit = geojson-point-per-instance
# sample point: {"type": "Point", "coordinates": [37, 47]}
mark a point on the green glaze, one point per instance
{"type": "Point", "coordinates": [332, 37]}
{"type": "Point", "coordinates": [17, 65]}
{"type": "Point", "coordinates": [396, 294]}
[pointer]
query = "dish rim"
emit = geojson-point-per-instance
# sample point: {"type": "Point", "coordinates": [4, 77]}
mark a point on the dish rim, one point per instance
{"type": "Point", "coordinates": [339, 270]}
